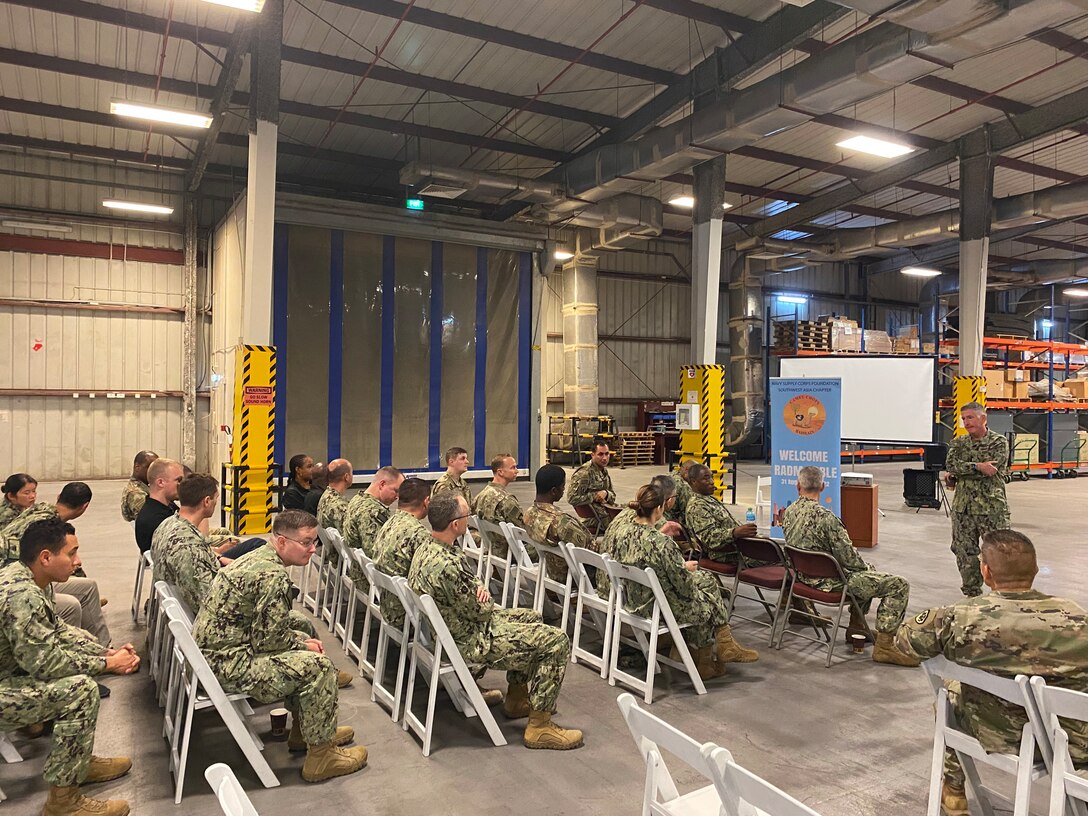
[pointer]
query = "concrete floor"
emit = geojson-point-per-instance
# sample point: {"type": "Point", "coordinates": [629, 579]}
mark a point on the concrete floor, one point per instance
{"type": "Point", "coordinates": [850, 740]}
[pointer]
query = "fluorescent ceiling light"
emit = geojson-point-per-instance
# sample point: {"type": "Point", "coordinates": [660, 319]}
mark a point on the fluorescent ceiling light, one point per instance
{"type": "Point", "coordinates": [685, 201]}
{"type": "Point", "coordinates": [920, 271]}
{"type": "Point", "coordinates": [563, 255]}
{"type": "Point", "coordinates": [43, 226]}
{"type": "Point", "coordinates": [792, 299]}
{"type": "Point", "coordinates": [136, 206]}
{"type": "Point", "coordinates": [154, 113]}
{"type": "Point", "coordinates": [875, 147]}
{"type": "Point", "coordinates": [244, 5]}
{"type": "Point", "coordinates": [726, 205]}
{"type": "Point", "coordinates": [1078, 293]}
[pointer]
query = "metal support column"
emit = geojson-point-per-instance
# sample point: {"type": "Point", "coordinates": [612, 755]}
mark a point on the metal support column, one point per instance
{"type": "Point", "coordinates": [189, 338]}
{"type": "Point", "coordinates": [706, 259]}
{"type": "Point", "coordinates": [580, 383]}
{"type": "Point", "coordinates": [976, 204]}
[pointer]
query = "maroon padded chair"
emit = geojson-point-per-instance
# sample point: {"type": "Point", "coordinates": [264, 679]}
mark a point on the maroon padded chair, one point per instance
{"type": "Point", "coordinates": [816, 564]}
{"type": "Point", "coordinates": [762, 567]}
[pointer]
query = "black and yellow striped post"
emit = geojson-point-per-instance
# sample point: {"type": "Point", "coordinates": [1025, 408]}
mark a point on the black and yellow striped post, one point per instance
{"type": "Point", "coordinates": [251, 493]}
{"type": "Point", "coordinates": [965, 390]}
{"type": "Point", "coordinates": [704, 386]}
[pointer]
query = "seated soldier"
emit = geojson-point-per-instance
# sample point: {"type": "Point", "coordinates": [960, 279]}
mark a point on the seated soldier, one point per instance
{"type": "Point", "coordinates": [135, 492]}
{"type": "Point", "coordinates": [591, 486]}
{"type": "Point", "coordinates": [298, 483]}
{"type": "Point", "coordinates": [78, 601]}
{"type": "Point", "coordinates": [709, 521]}
{"type": "Point", "coordinates": [496, 504]}
{"type": "Point", "coordinates": [693, 595]}
{"type": "Point", "coordinates": [808, 525]}
{"type": "Point", "coordinates": [332, 506]}
{"type": "Point", "coordinates": [319, 480]}
{"type": "Point", "coordinates": [456, 460]}
{"type": "Point", "coordinates": [245, 631]}
{"type": "Point", "coordinates": [47, 666]}
{"type": "Point", "coordinates": [20, 493]}
{"type": "Point", "coordinates": [683, 492]}
{"type": "Point", "coordinates": [547, 523]}
{"type": "Point", "coordinates": [399, 538]}
{"type": "Point", "coordinates": [533, 654]}
{"type": "Point", "coordinates": [1013, 630]}
{"type": "Point", "coordinates": [367, 513]}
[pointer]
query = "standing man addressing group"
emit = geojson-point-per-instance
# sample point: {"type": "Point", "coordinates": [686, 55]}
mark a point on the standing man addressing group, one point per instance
{"type": "Point", "coordinates": [979, 462]}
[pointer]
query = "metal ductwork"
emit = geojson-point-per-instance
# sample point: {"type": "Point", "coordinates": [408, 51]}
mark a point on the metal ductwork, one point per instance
{"type": "Point", "coordinates": [453, 182]}
{"type": "Point", "coordinates": [615, 223]}
{"type": "Point", "coordinates": [745, 352]}
{"type": "Point", "coordinates": [581, 394]}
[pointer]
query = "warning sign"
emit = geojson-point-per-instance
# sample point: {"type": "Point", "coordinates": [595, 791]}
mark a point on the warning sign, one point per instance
{"type": "Point", "coordinates": [257, 395]}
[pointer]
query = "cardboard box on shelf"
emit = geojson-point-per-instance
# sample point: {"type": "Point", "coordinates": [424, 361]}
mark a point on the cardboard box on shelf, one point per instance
{"type": "Point", "coordinates": [1017, 391]}
{"type": "Point", "coordinates": [1015, 375]}
{"type": "Point", "coordinates": [910, 332]}
{"type": "Point", "coordinates": [995, 384]}
{"type": "Point", "coordinates": [1078, 389]}
{"type": "Point", "coordinates": [845, 335]}
{"type": "Point", "coordinates": [877, 342]}
{"type": "Point", "coordinates": [1082, 450]}
{"type": "Point", "coordinates": [1025, 449]}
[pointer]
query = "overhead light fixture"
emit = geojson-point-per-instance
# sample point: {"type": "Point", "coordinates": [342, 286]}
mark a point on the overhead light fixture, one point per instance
{"type": "Point", "coordinates": [154, 113]}
{"type": "Point", "coordinates": [563, 255]}
{"type": "Point", "coordinates": [726, 205]}
{"type": "Point", "coordinates": [136, 206]}
{"type": "Point", "coordinates": [243, 5]}
{"type": "Point", "coordinates": [42, 226]}
{"type": "Point", "coordinates": [875, 147]}
{"type": "Point", "coordinates": [920, 272]}
{"type": "Point", "coordinates": [1077, 293]}
{"type": "Point", "coordinates": [685, 201]}
{"type": "Point", "coordinates": [798, 299]}
{"type": "Point", "coordinates": [1046, 324]}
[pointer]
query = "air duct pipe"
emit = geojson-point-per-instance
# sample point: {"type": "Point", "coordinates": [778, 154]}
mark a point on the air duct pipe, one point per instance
{"type": "Point", "coordinates": [580, 378]}
{"type": "Point", "coordinates": [745, 353]}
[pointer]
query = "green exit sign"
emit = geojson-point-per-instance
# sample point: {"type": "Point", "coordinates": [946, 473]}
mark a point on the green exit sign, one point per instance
{"type": "Point", "coordinates": [414, 204]}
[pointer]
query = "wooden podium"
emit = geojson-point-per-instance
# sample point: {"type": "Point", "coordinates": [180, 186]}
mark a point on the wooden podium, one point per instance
{"type": "Point", "coordinates": [859, 513]}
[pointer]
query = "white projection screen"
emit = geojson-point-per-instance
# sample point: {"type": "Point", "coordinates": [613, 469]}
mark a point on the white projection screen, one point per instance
{"type": "Point", "coordinates": [884, 399]}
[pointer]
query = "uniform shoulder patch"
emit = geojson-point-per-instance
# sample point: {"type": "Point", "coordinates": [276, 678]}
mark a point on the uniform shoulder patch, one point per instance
{"type": "Point", "coordinates": [922, 618]}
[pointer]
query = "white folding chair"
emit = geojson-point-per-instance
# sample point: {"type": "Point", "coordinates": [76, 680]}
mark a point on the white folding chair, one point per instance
{"type": "Point", "coordinates": [1068, 789]}
{"type": "Point", "coordinates": [646, 631]}
{"type": "Point", "coordinates": [600, 610]}
{"type": "Point", "coordinates": [660, 796]}
{"type": "Point", "coordinates": [387, 632]}
{"type": "Point", "coordinates": [334, 611]}
{"type": "Point", "coordinates": [505, 565]}
{"type": "Point", "coordinates": [232, 799]}
{"type": "Point", "coordinates": [476, 553]}
{"type": "Point", "coordinates": [564, 589]}
{"type": "Point", "coordinates": [158, 636]}
{"type": "Point", "coordinates": [525, 568]}
{"type": "Point", "coordinates": [435, 655]}
{"type": "Point", "coordinates": [369, 599]}
{"type": "Point", "coordinates": [763, 495]}
{"type": "Point", "coordinates": [200, 689]}
{"type": "Point", "coordinates": [742, 793]}
{"type": "Point", "coordinates": [143, 565]}
{"type": "Point", "coordinates": [947, 734]}
{"type": "Point", "coordinates": [329, 583]}
{"type": "Point", "coordinates": [10, 754]}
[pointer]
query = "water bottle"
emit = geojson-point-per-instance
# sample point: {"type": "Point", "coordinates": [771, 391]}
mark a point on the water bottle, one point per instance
{"type": "Point", "coordinates": [750, 515]}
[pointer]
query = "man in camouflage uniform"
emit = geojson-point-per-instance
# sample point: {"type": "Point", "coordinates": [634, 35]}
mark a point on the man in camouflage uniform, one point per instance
{"type": "Point", "coordinates": [808, 525]}
{"type": "Point", "coordinates": [709, 521]}
{"type": "Point", "coordinates": [367, 513]}
{"type": "Point", "coordinates": [135, 492]}
{"type": "Point", "coordinates": [456, 465]}
{"type": "Point", "coordinates": [399, 539]}
{"type": "Point", "coordinates": [47, 669]}
{"type": "Point", "coordinates": [332, 506]}
{"type": "Point", "coordinates": [979, 463]}
{"type": "Point", "coordinates": [683, 493]}
{"type": "Point", "coordinates": [1012, 630]}
{"type": "Point", "coordinates": [591, 486]}
{"type": "Point", "coordinates": [245, 631]}
{"type": "Point", "coordinates": [495, 504]}
{"type": "Point", "coordinates": [533, 654]}
{"type": "Point", "coordinates": [547, 523]}
{"type": "Point", "coordinates": [78, 602]}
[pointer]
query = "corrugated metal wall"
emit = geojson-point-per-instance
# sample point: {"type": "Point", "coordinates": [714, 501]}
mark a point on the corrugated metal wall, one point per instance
{"type": "Point", "coordinates": [67, 351]}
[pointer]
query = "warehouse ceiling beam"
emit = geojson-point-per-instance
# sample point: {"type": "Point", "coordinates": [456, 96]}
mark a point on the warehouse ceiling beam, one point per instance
{"type": "Point", "coordinates": [1058, 114]}
{"type": "Point", "coordinates": [725, 20]}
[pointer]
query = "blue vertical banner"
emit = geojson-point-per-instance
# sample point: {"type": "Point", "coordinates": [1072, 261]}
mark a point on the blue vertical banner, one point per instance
{"type": "Point", "coordinates": [806, 429]}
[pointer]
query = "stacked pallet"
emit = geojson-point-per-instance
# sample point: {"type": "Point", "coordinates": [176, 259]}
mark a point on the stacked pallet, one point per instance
{"type": "Point", "coordinates": [637, 448]}
{"type": "Point", "coordinates": [802, 335]}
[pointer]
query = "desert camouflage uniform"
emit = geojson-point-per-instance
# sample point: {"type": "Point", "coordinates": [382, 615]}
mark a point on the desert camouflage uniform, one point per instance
{"type": "Point", "coordinates": [132, 499]}
{"type": "Point", "coordinates": [183, 557]}
{"type": "Point", "coordinates": [8, 512]}
{"type": "Point", "coordinates": [516, 640]}
{"type": "Point", "coordinates": [45, 674]}
{"type": "Point", "coordinates": [364, 518]}
{"type": "Point", "coordinates": [978, 502]}
{"type": "Point", "coordinates": [447, 481]}
{"type": "Point", "coordinates": [679, 506]}
{"type": "Point", "coordinates": [394, 547]}
{"type": "Point", "coordinates": [809, 526]}
{"type": "Point", "coordinates": [1006, 634]}
{"type": "Point", "coordinates": [245, 631]}
{"type": "Point", "coordinates": [495, 504]}
{"type": "Point", "coordinates": [695, 597]}
{"type": "Point", "coordinates": [17, 526]}
{"type": "Point", "coordinates": [711, 524]}
{"type": "Point", "coordinates": [548, 524]}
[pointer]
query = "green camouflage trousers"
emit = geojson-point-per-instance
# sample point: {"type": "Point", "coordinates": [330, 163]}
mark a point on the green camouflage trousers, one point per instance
{"type": "Point", "coordinates": [305, 681]}
{"type": "Point", "coordinates": [967, 528]}
{"type": "Point", "coordinates": [72, 702]}
{"type": "Point", "coordinates": [300, 623]}
{"type": "Point", "coordinates": [531, 652]}
{"type": "Point", "coordinates": [893, 591]}
{"type": "Point", "coordinates": [706, 610]}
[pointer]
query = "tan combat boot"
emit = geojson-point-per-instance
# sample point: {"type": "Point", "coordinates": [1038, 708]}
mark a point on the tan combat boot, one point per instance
{"type": "Point", "coordinates": [67, 801]}
{"type": "Point", "coordinates": [729, 651]}
{"type": "Point", "coordinates": [707, 664]}
{"type": "Point", "coordinates": [542, 733]}
{"type": "Point", "coordinates": [516, 704]}
{"type": "Point", "coordinates": [343, 678]}
{"type": "Point", "coordinates": [296, 744]}
{"type": "Point", "coordinates": [103, 769]}
{"type": "Point", "coordinates": [856, 627]}
{"type": "Point", "coordinates": [886, 651]}
{"type": "Point", "coordinates": [953, 800]}
{"type": "Point", "coordinates": [329, 760]}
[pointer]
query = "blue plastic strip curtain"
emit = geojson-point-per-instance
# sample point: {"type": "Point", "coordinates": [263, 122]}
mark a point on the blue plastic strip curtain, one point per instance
{"type": "Point", "coordinates": [336, 342]}
{"type": "Point", "coordinates": [525, 340]}
{"type": "Point", "coordinates": [389, 282]}
{"type": "Point", "coordinates": [480, 391]}
{"type": "Point", "coordinates": [362, 350]}
{"type": "Point", "coordinates": [279, 332]}
{"type": "Point", "coordinates": [434, 442]}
